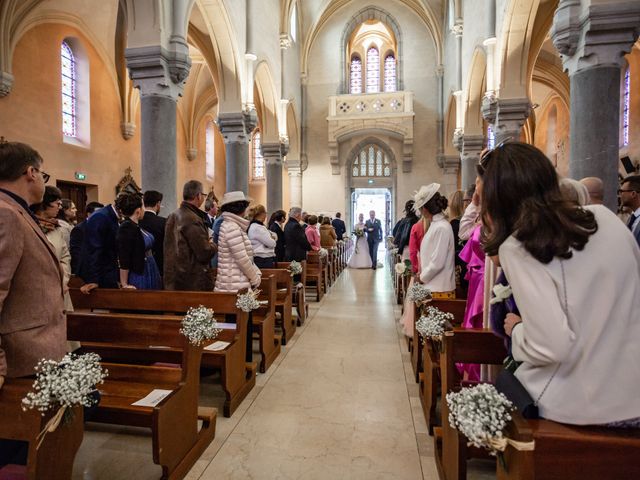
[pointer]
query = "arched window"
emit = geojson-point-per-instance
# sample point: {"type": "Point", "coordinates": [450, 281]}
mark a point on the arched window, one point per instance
{"type": "Point", "coordinates": [373, 70]}
{"type": "Point", "coordinates": [491, 138]}
{"type": "Point", "coordinates": [69, 91]}
{"type": "Point", "coordinates": [390, 73]}
{"type": "Point", "coordinates": [356, 75]}
{"type": "Point", "coordinates": [371, 161]}
{"type": "Point", "coordinates": [257, 160]}
{"type": "Point", "coordinates": [210, 143]}
{"type": "Point", "coordinates": [293, 23]}
{"type": "Point", "coordinates": [626, 98]}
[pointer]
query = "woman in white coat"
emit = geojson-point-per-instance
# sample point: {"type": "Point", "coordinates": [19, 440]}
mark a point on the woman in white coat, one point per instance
{"type": "Point", "coordinates": [263, 240]}
{"type": "Point", "coordinates": [437, 249]}
{"type": "Point", "coordinates": [575, 276]}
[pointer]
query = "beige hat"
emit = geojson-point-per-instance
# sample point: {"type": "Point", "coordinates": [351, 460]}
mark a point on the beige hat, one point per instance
{"type": "Point", "coordinates": [236, 196]}
{"type": "Point", "coordinates": [422, 196]}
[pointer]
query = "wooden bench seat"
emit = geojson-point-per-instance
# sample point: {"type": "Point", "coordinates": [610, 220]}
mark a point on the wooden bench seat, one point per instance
{"type": "Point", "coordinates": [237, 376]}
{"type": "Point", "coordinates": [176, 440]}
{"type": "Point", "coordinates": [264, 323]}
{"type": "Point", "coordinates": [284, 302]}
{"type": "Point", "coordinates": [54, 459]}
{"type": "Point", "coordinates": [315, 274]}
{"type": "Point", "coordinates": [298, 291]}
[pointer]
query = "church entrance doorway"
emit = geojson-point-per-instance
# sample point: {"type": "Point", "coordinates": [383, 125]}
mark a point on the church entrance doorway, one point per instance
{"type": "Point", "coordinates": [363, 200]}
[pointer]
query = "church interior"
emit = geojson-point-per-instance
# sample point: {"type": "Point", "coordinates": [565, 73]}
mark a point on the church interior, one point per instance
{"type": "Point", "coordinates": [326, 106]}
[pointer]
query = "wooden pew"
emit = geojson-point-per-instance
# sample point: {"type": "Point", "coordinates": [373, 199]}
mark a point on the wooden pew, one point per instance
{"type": "Point", "coordinates": [177, 442]}
{"type": "Point", "coordinates": [461, 346]}
{"type": "Point", "coordinates": [284, 305]}
{"type": "Point", "coordinates": [237, 376]}
{"type": "Point", "coordinates": [567, 452]}
{"type": "Point", "coordinates": [298, 291]}
{"type": "Point", "coordinates": [429, 376]}
{"type": "Point", "coordinates": [54, 459]}
{"type": "Point", "coordinates": [264, 323]}
{"type": "Point", "coordinates": [315, 274]}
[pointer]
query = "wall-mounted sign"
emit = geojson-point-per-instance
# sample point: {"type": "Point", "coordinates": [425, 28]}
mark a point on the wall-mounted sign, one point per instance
{"type": "Point", "coordinates": [80, 176]}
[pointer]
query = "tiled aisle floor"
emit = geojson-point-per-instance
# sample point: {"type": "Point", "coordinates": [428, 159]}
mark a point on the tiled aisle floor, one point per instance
{"type": "Point", "coordinates": [338, 403]}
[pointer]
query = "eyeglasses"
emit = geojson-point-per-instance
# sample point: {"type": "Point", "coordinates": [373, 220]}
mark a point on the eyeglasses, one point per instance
{"type": "Point", "coordinates": [620, 190]}
{"type": "Point", "coordinates": [486, 156]}
{"type": "Point", "coordinates": [45, 176]}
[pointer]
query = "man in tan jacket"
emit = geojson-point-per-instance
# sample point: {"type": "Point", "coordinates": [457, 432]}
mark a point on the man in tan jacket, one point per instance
{"type": "Point", "coordinates": [32, 317]}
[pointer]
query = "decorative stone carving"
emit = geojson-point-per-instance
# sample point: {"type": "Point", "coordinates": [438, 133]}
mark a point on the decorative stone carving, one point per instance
{"type": "Point", "coordinates": [192, 154]}
{"type": "Point", "coordinates": [511, 115]}
{"type": "Point", "coordinates": [236, 127]}
{"type": "Point", "coordinates": [458, 133]}
{"type": "Point", "coordinates": [271, 153]}
{"type": "Point", "coordinates": [127, 183]}
{"type": "Point", "coordinates": [157, 71]}
{"type": "Point", "coordinates": [566, 26]}
{"type": "Point", "coordinates": [285, 41]}
{"type": "Point", "coordinates": [6, 83]}
{"type": "Point", "coordinates": [450, 164]}
{"type": "Point", "coordinates": [458, 28]}
{"type": "Point", "coordinates": [489, 106]}
{"type": "Point", "coordinates": [128, 130]}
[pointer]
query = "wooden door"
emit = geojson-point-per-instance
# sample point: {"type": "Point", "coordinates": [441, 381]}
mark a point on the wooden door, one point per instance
{"type": "Point", "coordinates": [77, 193]}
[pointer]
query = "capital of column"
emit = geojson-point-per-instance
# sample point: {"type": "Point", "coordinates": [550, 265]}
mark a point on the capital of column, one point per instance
{"type": "Point", "coordinates": [489, 106]}
{"type": "Point", "coordinates": [512, 113]}
{"type": "Point", "coordinates": [192, 154]}
{"type": "Point", "coordinates": [285, 41]}
{"type": "Point", "coordinates": [128, 130]}
{"type": "Point", "coordinates": [594, 35]}
{"type": "Point", "coordinates": [450, 164]}
{"type": "Point", "coordinates": [472, 145]}
{"type": "Point", "coordinates": [157, 71]}
{"type": "Point", "coordinates": [271, 153]}
{"type": "Point", "coordinates": [236, 127]}
{"type": "Point", "coordinates": [458, 134]}
{"type": "Point", "coordinates": [6, 83]}
{"type": "Point", "coordinates": [457, 28]}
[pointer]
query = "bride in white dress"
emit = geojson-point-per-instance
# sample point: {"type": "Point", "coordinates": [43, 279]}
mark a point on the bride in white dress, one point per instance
{"type": "Point", "coordinates": [360, 257]}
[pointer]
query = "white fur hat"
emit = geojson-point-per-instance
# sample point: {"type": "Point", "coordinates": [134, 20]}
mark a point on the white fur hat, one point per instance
{"type": "Point", "coordinates": [422, 196]}
{"type": "Point", "coordinates": [233, 197]}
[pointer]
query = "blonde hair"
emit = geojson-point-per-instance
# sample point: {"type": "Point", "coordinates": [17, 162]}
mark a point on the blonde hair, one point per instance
{"type": "Point", "coordinates": [456, 204]}
{"type": "Point", "coordinates": [255, 211]}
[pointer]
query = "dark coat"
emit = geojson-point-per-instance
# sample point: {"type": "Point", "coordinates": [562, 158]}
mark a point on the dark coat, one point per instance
{"type": "Point", "coordinates": [131, 247]}
{"type": "Point", "coordinates": [374, 230]}
{"type": "Point", "coordinates": [280, 243]}
{"type": "Point", "coordinates": [155, 225]}
{"type": "Point", "coordinates": [340, 227]}
{"type": "Point", "coordinates": [296, 243]}
{"type": "Point", "coordinates": [75, 245]}
{"type": "Point", "coordinates": [187, 250]}
{"type": "Point", "coordinates": [99, 257]}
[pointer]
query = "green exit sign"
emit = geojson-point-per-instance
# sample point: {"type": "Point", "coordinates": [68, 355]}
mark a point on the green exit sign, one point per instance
{"type": "Point", "coordinates": [80, 176]}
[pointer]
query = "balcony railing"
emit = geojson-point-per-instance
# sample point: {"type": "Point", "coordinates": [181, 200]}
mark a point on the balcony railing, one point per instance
{"type": "Point", "coordinates": [387, 104]}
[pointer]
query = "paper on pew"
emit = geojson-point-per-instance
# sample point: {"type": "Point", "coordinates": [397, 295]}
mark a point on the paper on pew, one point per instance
{"type": "Point", "coordinates": [217, 346]}
{"type": "Point", "coordinates": [153, 399]}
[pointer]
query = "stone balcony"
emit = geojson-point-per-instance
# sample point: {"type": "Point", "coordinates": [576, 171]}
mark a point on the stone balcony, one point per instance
{"type": "Point", "coordinates": [388, 112]}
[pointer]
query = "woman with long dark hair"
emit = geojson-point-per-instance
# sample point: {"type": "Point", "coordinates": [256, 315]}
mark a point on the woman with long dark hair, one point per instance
{"type": "Point", "coordinates": [276, 225]}
{"type": "Point", "coordinates": [575, 276]}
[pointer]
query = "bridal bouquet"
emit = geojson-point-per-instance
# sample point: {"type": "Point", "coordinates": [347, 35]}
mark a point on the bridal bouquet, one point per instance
{"type": "Point", "coordinates": [295, 268]}
{"type": "Point", "coordinates": [432, 324]}
{"type": "Point", "coordinates": [418, 293]}
{"type": "Point", "coordinates": [68, 383]}
{"type": "Point", "coordinates": [358, 232]}
{"type": "Point", "coordinates": [481, 413]}
{"type": "Point", "coordinates": [198, 325]}
{"type": "Point", "coordinates": [403, 268]}
{"type": "Point", "coordinates": [247, 302]}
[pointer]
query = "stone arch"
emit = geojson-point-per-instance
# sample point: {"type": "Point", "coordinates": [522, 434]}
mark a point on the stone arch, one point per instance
{"type": "Point", "coordinates": [370, 13]}
{"type": "Point", "coordinates": [268, 108]}
{"type": "Point", "coordinates": [476, 84]}
{"type": "Point", "coordinates": [424, 12]}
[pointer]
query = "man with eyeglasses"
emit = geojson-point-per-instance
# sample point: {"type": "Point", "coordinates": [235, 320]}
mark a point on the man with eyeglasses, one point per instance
{"type": "Point", "coordinates": [630, 198]}
{"type": "Point", "coordinates": [29, 270]}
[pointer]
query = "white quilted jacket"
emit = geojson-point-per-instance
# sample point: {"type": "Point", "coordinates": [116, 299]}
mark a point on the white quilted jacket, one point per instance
{"type": "Point", "coordinates": [236, 269]}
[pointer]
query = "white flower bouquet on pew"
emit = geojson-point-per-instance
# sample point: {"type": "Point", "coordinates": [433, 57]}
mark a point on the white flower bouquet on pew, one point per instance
{"type": "Point", "coordinates": [295, 268]}
{"type": "Point", "coordinates": [403, 268]}
{"type": "Point", "coordinates": [419, 293]}
{"type": "Point", "coordinates": [63, 385]}
{"type": "Point", "coordinates": [323, 252]}
{"type": "Point", "coordinates": [247, 302]}
{"type": "Point", "coordinates": [432, 324]}
{"type": "Point", "coordinates": [481, 413]}
{"type": "Point", "coordinates": [198, 325]}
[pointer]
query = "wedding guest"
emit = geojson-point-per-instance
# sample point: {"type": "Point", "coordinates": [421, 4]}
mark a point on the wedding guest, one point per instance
{"type": "Point", "coordinates": [471, 216]}
{"type": "Point", "coordinates": [415, 240]}
{"type": "Point", "coordinates": [575, 276]}
{"type": "Point", "coordinates": [263, 241]}
{"type": "Point", "coordinates": [437, 263]}
{"type": "Point", "coordinates": [468, 196]}
{"type": "Point", "coordinates": [67, 218]}
{"type": "Point", "coordinates": [154, 224]}
{"type": "Point", "coordinates": [296, 243]}
{"type": "Point", "coordinates": [138, 268]}
{"type": "Point", "coordinates": [32, 319]}
{"type": "Point", "coordinates": [402, 230]}
{"type": "Point", "coordinates": [630, 198]}
{"type": "Point", "coordinates": [339, 225]}
{"type": "Point", "coordinates": [312, 232]}
{"type": "Point", "coordinates": [76, 238]}
{"type": "Point", "coordinates": [187, 246]}
{"type": "Point", "coordinates": [211, 207]}
{"type": "Point", "coordinates": [276, 225]}
{"type": "Point", "coordinates": [595, 187]}
{"type": "Point", "coordinates": [46, 213]}
{"type": "Point", "coordinates": [328, 236]}
{"type": "Point", "coordinates": [456, 209]}
{"type": "Point", "coordinates": [574, 191]}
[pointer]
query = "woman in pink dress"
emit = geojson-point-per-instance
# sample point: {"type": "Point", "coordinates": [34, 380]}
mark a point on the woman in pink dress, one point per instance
{"type": "Point", "coordinates": [415, 239]}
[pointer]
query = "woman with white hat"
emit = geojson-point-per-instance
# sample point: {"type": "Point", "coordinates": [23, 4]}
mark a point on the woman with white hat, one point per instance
{"type": "Point", "coordinates": [437, 250]}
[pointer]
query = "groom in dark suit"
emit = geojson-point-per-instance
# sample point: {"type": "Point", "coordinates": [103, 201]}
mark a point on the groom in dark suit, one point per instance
{"type": "Point", "coordinates": [373, 227]}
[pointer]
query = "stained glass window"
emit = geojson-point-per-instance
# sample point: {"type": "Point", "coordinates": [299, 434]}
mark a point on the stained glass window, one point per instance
{"type": "Point", "coordinates": [356, 75]}
{"type": "Point", "coordinates": [258, 159]}
{"type": "Point", "coordinates": [69, 90]}
{"type": "Point", "coordinates": [625, 108]}
{"type": "Point", "coordinates": [209, 150]}
{"type": "Point", "coordinates": [491, 137]}
{"type": "Point", "coordinates": [390, 73]}
{"type": "Point", "coordinates": [373, 70]}
{"type": "Point", "coordinates": [371, 162]}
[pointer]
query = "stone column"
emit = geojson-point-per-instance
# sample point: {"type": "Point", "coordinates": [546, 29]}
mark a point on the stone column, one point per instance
{"type": "Point", "coordinates": [457, 31]}
{"type": "Point", "coordinates": [160, 76]}
{"type": "Point", "coordinates": [472, 146]}
{"type": "Point", "coordinates": [511, 115]}
{"type": "Point", "coordinates": [273, 154]}
{"type": "Point", "coordinates": [593, 39]}
{"type": "Point", "coordinates": [236, 128]}
{"type": "Point", "coordinates": [295, 184]}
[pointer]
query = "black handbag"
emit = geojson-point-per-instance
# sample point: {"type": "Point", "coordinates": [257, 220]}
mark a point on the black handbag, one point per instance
{"type": "Point", "coordinates": [509, 385]}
